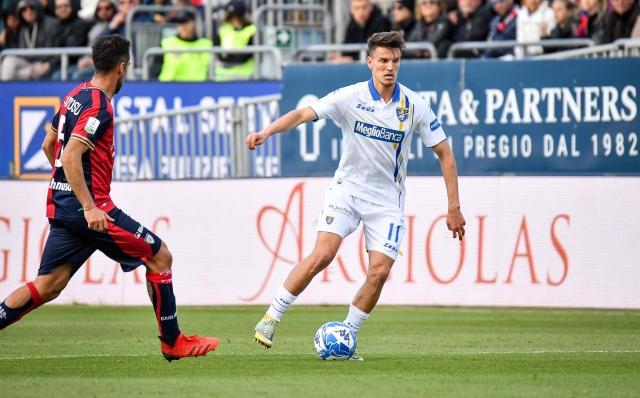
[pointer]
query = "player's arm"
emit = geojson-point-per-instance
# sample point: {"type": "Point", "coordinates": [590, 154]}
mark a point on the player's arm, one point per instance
{"type": "Point", "coordinates": [287, 122]}
{"type": "Point", "coordinates": [72, 164]}
{"type": "Point", "coordinates": [49, 145]}
{"type": "Point", "coordinates": [455, 220]}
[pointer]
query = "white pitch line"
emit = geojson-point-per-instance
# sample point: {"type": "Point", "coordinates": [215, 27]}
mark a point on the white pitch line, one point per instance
{"type": "Point", "coordinates": [284, 353]}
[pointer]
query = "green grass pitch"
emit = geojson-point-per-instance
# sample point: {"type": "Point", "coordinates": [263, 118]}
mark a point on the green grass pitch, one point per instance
{"type": "Point", "coordinates": [69, 351]}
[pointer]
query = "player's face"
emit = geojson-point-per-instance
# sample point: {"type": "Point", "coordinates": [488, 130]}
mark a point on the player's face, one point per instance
{"type": "Point", "coordinates": [384, 64]}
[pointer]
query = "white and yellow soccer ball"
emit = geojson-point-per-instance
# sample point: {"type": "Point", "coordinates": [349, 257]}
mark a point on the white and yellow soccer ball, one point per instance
{"type": "Point", "coordinates": [335, 341]}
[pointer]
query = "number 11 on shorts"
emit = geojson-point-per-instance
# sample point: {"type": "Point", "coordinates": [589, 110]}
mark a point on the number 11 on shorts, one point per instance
{"type": "Point", "coordinates": [391, 232]}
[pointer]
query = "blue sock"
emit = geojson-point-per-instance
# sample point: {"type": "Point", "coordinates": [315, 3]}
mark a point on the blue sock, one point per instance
{"type": "Point", "coordinates": [10, 315]}
{"type": "Point", "coordinates": [164, 304]}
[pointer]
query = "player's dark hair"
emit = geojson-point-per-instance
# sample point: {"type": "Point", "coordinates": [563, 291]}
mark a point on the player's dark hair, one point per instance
{"type": "Point", "coordinates": [108, 52]}
{"type": "Point", "coordinates": [390, 40]}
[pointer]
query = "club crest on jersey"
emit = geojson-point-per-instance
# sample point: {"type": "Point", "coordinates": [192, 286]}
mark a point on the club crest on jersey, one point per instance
{"type": "Point", "coordinates": [402, 113]}
{"type": "Point", "coordinates": [329, 220]}
{"type": "Point", "coordinates": [149, 239]}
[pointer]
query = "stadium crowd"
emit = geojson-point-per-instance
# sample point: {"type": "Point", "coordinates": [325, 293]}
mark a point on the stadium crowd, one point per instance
{"type": "Point", "coordinates": [76, 23]}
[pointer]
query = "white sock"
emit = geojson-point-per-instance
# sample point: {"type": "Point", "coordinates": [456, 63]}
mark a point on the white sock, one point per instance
{"type": "Point", "coordinates": [355, 319]}
{"type": "Point", "coordinates": [282, 300]}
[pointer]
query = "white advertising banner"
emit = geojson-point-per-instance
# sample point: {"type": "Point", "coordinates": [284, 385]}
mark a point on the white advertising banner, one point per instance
{"type": "Point", "coordinates": [531, 241]}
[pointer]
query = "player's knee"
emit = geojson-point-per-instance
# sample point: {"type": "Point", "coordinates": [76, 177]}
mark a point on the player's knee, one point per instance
{"type": "Point", "coordinates": [163, 260]}
{"type": "Point", "coordinates": [321, 259]}
{"type": "Point", "coordinates": [378, 275]}
{"type": "Point", "coordinates": [51, 290]}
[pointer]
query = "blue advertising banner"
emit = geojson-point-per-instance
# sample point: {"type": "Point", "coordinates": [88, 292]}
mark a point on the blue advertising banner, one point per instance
{"type": "Point", "coordinates": [576, 117]}
{"type": "Point", "coordinates": [27, 108]}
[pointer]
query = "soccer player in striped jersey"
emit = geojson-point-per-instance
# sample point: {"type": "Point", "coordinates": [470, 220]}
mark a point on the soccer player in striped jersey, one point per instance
{"type": "Point", "coordinates": [377, 118]}
{"type": "Point", "coordinates": [83, 217]}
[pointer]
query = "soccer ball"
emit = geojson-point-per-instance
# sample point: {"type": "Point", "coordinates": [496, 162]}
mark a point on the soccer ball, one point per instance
{"type": "Point", "coordinates": [335, 341]}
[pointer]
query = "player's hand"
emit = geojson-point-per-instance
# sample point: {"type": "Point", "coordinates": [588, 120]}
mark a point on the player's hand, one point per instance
{"type": "Point", "coordinates": [455, 223]}
{"type": "Point", "coordinates": [97, 219]}
{"type": "Point", "coordinates": [255, 139]}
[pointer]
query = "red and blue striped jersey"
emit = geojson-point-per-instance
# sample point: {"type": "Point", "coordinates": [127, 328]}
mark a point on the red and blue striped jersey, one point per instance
{"type": "Point", "coordinates": [86, 115]}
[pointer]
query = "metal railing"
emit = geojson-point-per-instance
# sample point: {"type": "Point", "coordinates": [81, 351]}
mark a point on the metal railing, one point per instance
{"type": "Point", "coordinates": [361, 48]}
{"type": "Point", "coordinates": [630, 47]}
{"type": "Point", "coordinates": [325, 20]}
{"type": "Point", "coordinates": [63, 52]}
{"type": "Point", "coordinates": [197, 142]}
{"type": "Point", "coordinates": [257, 73]}
{"type": "Point", "coordinates": [129, 28]}
{"type": "Point", "coordinates": [619, 48]}
{"type": "Point", "coordinates": [255, 114]}
{"type": "Point", "coordinates": [513, 44]}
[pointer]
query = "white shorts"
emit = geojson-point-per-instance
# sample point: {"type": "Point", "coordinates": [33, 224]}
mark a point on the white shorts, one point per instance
{"type": "Point", "coordinates": [384, 227]}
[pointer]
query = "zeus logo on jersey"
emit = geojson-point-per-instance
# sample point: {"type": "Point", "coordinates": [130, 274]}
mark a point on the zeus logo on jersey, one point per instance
{"type": "Point", "coordinates": [378, 133]}
{"type": "Point", "coordinates": [388, 246]}
{"type": "Point", "coordinates": [366, 109]}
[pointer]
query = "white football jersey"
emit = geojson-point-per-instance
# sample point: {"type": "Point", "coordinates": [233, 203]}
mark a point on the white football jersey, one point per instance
{"type": "Point", "coordinates": [376, 139]}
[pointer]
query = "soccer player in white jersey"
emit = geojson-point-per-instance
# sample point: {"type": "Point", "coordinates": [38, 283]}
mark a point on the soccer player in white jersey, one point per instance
{"type": "Point", "coordinates": [377, 119]}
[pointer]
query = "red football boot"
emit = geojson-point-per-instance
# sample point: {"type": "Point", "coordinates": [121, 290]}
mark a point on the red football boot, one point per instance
{"type": "Point", "coordinates": [188, 346]}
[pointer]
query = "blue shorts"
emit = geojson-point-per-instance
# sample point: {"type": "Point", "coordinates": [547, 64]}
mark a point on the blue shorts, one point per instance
{"type": "Point", "coordinates": [125, 241]}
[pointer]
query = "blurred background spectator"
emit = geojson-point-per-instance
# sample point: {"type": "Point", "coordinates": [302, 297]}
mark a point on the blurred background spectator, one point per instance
{"type": "Point", "coordinates": [160, 17]}
{"type": "Point", "coordinates": [236, 31]}
{"type": "Point", "coordinates": [434, 27]}
{"type": "Point", "coordinates": [36, 30]}
{"type": "Point", "coordinates": [366, 19]}
{"type": "Point", "coordinates": [404, 18]}
{"type": "Point", "coordinates": [535, 21]}
{"type": "Point", "coordinates": [73, 32]}
{"type": "Point", "coordinates": [88, 9]}
{"type": "Point", "coordinates": [592, 20]}
{"type": "Point", "coordinates": [185, 67]}
{"type": "Point", "coordinates": [471, 21]}
{"type": "Point", "coordinates": [11, 26]}
{"type": "Point", "coordinates": [104, 13]}
{"type": "Point", "coordinates": [502, 26]}
{"type": "Point", "coordinates": [49, 7]}
{"type": "Point", "coordinates": [563, 13]}
{"type": "Point", "coordinates": [116, 26]}
{"type": "Point", "coordinates": [621, 20]}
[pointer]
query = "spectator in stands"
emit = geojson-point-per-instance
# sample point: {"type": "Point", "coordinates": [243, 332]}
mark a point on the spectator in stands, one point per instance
{"type": "Point", "coordinates": [49, 7]}
{"type": "Point", "coordinates": [9, 35]}
{"type": "Point", "coordinates": [104, 13]}
{"type": "Point", "coordinates": [434, 27]}
{"type": "Point", "coordinates": [503, 26]}
{"type": "Point", "coordinates": [88, 10]}
{"type": "Point", "coordinates": [471, 21]}
{"type": "Point", "coordinates": [535, 21]}
{"type": "Point", "coordinates": [563, 12]}
{"type": "Point", "coordinates": [73, 32]}
{"type": "Point", "coordinates": [191, 67]}
{"type": "Point", "coordinates": [592, 20]}
{"type": "Point", "coordinates": [160, 17]}
{"type": "Point", "coordinates": [621, 20]}
{"type": "Point", "coordinates": [405, 19]}
{"type": "Point", "coordinates": [449, 5]}
{"type": "Point", "coordinates": [366, 19]}
{"type": "Point", "coordinates": [236, 31]}
{"type": "Point", "coordinates": [37, 30]}
{"type": "Point", "coordinates": [117, 24]}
